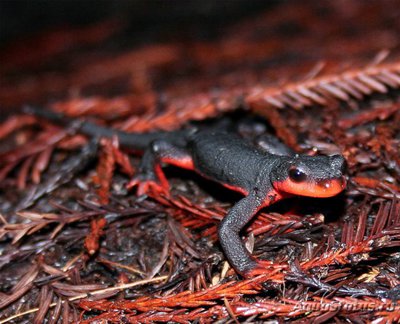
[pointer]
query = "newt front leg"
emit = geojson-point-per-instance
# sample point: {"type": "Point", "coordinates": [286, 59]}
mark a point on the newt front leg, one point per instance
{"type": "Point", "coordinates": [229, 229]}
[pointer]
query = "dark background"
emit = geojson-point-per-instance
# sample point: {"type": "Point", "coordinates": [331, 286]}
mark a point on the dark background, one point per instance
{"type": "Point", "coordinates": [144, 19]}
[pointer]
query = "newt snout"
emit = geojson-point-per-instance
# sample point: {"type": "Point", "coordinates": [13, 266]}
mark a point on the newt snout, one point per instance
{"type": "Point", "coordinates": [330, 187]}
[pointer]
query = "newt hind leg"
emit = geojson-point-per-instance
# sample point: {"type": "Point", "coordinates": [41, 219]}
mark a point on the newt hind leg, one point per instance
{"type": "Point", "coordinates": [150, 176]}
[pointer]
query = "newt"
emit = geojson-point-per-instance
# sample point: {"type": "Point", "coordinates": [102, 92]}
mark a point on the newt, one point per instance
{"type": "Point", "coordinates": [264, 174]}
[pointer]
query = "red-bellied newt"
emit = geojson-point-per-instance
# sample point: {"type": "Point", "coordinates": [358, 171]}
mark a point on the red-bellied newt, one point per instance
{"type": "Point", "coordinates": [263, 176]}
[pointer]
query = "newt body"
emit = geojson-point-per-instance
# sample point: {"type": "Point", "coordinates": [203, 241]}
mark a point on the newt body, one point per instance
{"type": "Point", "coordinates": [261, 176]}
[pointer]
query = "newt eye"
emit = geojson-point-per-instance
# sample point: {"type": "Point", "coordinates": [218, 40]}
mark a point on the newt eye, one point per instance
{"type": "Point", "coordinates": [297, 175]}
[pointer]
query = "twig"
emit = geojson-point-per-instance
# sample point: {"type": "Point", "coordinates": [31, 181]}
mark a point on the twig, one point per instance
{"type": "Point", "coordinates": [88, 295]}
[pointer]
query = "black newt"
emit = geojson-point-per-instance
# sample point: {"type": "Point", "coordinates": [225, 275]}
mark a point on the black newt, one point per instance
{"type": "Point", "coordinates": [261, 176]}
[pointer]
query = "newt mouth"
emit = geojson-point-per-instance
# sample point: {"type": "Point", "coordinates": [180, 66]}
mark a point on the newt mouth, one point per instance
{"type": "Point", "coordinates": [317, 189]}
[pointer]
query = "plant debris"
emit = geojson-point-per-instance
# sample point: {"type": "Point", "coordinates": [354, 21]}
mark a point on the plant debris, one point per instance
{"type": "Point", "coordinates": [77, 245]}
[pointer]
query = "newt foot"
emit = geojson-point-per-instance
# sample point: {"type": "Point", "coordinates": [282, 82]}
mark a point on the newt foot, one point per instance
{"type": "Point", "coordinates": [146, 186]}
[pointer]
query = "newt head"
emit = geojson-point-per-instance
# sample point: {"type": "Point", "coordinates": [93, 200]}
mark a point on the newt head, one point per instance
{"type": "Point", "coordinates": [310, 176]}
